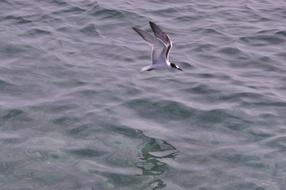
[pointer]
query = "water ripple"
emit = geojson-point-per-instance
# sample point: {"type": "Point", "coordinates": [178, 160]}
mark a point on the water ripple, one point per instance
{"type": "Point", "coordinates": [77, 113]}
{"type": "Point", "coordinates": [164, 109]}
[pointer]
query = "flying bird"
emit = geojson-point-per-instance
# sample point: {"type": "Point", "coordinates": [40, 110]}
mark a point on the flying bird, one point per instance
{"type": "Point", "coordinates": [161, 45]}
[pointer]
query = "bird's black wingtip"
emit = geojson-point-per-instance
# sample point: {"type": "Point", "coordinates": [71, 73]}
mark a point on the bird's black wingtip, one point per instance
{"type": "Point", "coordinates": [136, 29]}
{"type": "Point", "coordinates": [151, 23]}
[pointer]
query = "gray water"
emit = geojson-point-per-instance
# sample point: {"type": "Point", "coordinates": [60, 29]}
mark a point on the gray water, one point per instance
{"type": "Point", "coordinates": [76, 113]}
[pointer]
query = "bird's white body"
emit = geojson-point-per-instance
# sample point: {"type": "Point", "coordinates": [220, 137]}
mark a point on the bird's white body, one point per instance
{"type": "Point", "coordinates": [157, 66]}
{"type": "Point", "coordinates": [161, 45]}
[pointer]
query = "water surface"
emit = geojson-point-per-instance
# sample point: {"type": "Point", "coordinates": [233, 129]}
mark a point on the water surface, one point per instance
{"type": "Point", "coordinates": [77, 113]}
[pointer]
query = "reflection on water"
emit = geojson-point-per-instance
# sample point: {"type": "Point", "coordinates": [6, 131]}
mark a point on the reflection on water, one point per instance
{"type": "Point", "coordinates": [150, 163]}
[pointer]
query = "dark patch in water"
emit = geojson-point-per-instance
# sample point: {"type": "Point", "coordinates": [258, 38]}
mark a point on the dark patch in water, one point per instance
{"type": "Point", "coordinates": [161, 110]}
{"type": "Point", "coordinates": [86, 152]}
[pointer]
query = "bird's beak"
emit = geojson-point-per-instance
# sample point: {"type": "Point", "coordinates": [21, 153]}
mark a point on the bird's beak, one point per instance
{"type": "Point", "coordinates": [180, 69]}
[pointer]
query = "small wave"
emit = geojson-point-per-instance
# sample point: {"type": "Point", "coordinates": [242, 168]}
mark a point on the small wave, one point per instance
{"type": "Point", "coordinates": [162, 109]}
{"type": "Point", "coordinates": [90, 30]}
{"type": "Point", "coordinates": [105, 13]}
{"type": "Point", "coordinates": [262, 40]}
{"type": "Point", "coordinates": [278, 142]}
{"type": "Point", "coordinates": [188, 19]}
{"type": "Point", "coordinates": [65, 120]}
{"type": "Point", "coordinates": [17, 19]}
{"type": "Point", "coordinates": [164, 11]}
{"type": "Point", "coordinates": [14, 114]}
{"type": "Point", "coordinates": [10, 50]}
{"type": "Point", "coordinates": [57, 2]}
{"type": "Point", "coordinates": [10, 138]}
{"type": "Point", "coordinates": [231, 155]}
{"type": "Point", "coordinates": [54, 106]}
{"type": "Point", "coordinates": [281, 54]}
{"type": "Point", "coordinates": [230, 51]}
{"type": "Point", "coordinates": [73, 10]}
{"type": "Point", "coordinates": [202, 88]}
{"type": "Point", "coordinates": [37, 32]}
{"type": "Point", "coordinates": [281, 33]}
{"type": "Point", "coordinates": [203, 48]}
{"type": "Point", "coordinates": [84, 93]}
{"type": "Point", "coordinates": [4, 85]}
{"type": "Point", "coordinates": [6, 2]}
{"type": "Point", "coordinates": [85, 152]}
{"type": "Point", "coordinates": [210, 31]}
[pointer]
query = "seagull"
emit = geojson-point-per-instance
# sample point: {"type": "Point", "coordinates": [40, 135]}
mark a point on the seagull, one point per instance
{"type": "Point", "coordinates": [161, 45]}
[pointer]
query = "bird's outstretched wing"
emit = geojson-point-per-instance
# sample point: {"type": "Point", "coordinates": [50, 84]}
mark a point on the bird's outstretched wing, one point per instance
{"type": "Point", "coordinates": [162, 36]}
{"type": "Point", "coordinates": [159, 48]}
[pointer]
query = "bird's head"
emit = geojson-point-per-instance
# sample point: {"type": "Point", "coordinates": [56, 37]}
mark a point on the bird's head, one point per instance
{"type": "Point", "coordinates": [173, 65]}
